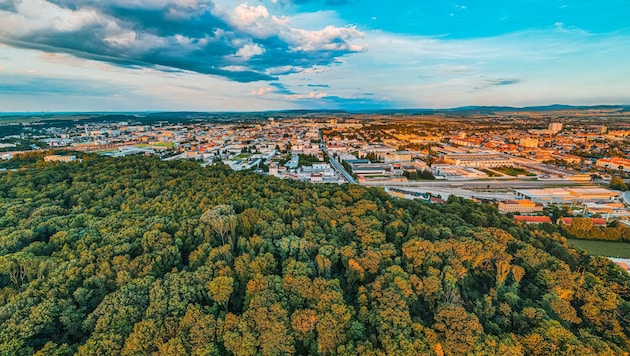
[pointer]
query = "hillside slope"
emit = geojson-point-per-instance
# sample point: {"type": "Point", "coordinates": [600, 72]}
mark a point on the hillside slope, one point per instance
{"type": "Point", "coordinates": [136, 256]}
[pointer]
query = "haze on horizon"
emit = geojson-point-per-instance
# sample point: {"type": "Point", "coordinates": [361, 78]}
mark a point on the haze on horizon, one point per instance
{"type": "Point", "coordinates": [226, 55]}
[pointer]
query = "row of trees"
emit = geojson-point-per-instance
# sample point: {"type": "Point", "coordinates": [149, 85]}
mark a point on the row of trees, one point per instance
{"type": "Point", "coordinates": [583, 228]}
{"type": "Point", "coordinates": [137, 256]}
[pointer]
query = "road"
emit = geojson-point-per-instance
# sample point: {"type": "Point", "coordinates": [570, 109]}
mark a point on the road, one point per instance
{"type": "Point", "coordinates": [336, 165]}
{"type": "Point", "coordinates": [626, 197]}
{"type": "Point", "coordinates": [339, 168]}
{"type": "Point", "coordinates": [480, 184]}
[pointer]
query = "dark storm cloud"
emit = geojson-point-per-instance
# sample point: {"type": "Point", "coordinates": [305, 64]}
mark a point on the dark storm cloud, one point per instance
{"type": "Point", "coordinates": [166, 34]}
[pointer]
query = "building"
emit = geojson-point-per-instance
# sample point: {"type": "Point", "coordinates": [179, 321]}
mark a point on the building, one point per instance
{"type": "Point", "coordinates": [466, 142]}
{"type": "Point", "coordinates": [372, 169]}
{"type": "Point", "coordinates": [533, 219]}
{"type": "Point", "coordinates": [316, 177]}
{"type": "Point", "coordinates": [523, 206]}
{"type": "Point", "coordinates": [614, 163]}
{"type": "Point", "coordinates": [595, 221]}
{"type": "Point", "coordinates": [555, 127]}
{"type": "Point", "coordinates": [449, 172]}
{"type": "Point", "coordinates": [59, 158]}
{"type": "Point", "coordinates": [606, 209]}
{"type": "Point", "coordinates": [478, 159]}
{"type": "Point", "coordinates": [528, 142]}
{"type": "Point", "coordinates": [414, 166]}
{"type": "Point", "coordinates": [398, 156]}
{"type": "Point", "coordinates": [567, 195]}
{"type": "Point", "coordinates": [557, 171]}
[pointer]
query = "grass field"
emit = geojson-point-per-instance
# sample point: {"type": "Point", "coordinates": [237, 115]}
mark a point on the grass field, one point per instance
{"type": "Point", "coordinates": [243, 156]}
{"type": "Point", "coordinates": [604, 248]}
{"type": "Point", "coordinates": [513, 171]}
{"type": "Point", "coordinates": [490, 173]}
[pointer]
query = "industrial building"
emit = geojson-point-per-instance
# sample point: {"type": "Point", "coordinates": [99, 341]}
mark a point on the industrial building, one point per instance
{"type": "Point", "coordinates": [449, 172]}
{"type": "Point", "coordinates": [481, 160]}
{"type": "Point", "coordinates": [567, 195]}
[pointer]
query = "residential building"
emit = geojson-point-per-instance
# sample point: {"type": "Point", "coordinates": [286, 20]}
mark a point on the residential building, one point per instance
{"type": "Point", "coordinates": [614, 163]}
{"type": "Point", "coordinates": [522, 206]}
{"type": "Point", "coordinates": [555, 127]}
{"type": "Point", "coordinates": [528, 142]}
{"type": "Point", "coordinates": [594, 221]}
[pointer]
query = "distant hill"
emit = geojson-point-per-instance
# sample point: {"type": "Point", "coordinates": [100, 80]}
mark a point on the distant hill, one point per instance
{"type": "Point", "coordinates": [491, 109]}
{"type": "Point", "coordinates": [222, 116]}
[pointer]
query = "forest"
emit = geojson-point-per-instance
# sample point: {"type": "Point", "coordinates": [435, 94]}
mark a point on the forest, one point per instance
{"type": "Point", "coordinates": [137, 256]}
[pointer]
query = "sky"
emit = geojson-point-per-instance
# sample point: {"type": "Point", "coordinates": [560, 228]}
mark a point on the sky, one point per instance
{"type": "Point", "coordinates": [230, 55]}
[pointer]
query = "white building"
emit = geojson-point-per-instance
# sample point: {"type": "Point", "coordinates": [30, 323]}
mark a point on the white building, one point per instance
{"type": "Point", "coordinates": [528, 142]}
{"type": "Point", "coordinates": [555, 127]}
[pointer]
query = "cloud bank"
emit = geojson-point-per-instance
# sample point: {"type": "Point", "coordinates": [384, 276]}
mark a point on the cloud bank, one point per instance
{"type": "Point", "coordinates": [244, 43]}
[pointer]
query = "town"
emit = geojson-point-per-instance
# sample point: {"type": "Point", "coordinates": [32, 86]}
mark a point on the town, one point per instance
{"type": "Point", "coordinates": [524, 162]}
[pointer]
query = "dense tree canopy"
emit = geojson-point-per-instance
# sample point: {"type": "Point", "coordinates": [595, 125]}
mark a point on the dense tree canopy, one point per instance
{"type": "Point", "coordinates": [137, 256]}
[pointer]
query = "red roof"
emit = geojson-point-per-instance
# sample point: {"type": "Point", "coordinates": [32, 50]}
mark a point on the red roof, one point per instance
{"type": "Point", "coordinates": [533, 219]}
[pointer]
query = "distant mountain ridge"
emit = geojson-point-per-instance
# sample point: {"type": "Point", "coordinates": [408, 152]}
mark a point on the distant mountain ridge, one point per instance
{"type": "Point", "coordinates": [192, 115]}
{"type": "Point", "coordinates": [490, 109]}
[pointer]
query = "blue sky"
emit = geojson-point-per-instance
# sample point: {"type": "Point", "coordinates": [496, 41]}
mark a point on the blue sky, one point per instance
{"type": "Point", "coordinates": [228, 55]}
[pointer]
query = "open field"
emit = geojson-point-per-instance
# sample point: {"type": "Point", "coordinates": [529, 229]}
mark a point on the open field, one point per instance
{"type": "Point", "coordinates": [513, 171]}
{"type": "Point", "coordinates": [604, 248]}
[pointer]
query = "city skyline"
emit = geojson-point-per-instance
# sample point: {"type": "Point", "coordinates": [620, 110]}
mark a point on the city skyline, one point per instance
{"type": "Point", "coordinates": [82, 55]}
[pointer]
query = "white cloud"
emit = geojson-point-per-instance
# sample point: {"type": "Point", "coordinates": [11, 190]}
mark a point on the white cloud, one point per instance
{"type": "Point", "coordinates": [311, 95]}
{"type": "Point", "coordinates": [541, 65]}
{"type": "Point", "coordinates": [262, 91]}
{"type": "Point", "coordinates": [309, 36]}
{"type": "Point", "coordinates": [249, 50]}
{"type": "Point", "coordinates": [559, 64]}
{"type": "Point", "coordinates": [38, 15]}
{"type": "Point", "coordinates": [326, 39]}
{"type": "Point", "coordinates": [245, 15]}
